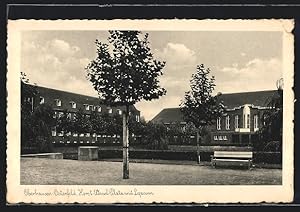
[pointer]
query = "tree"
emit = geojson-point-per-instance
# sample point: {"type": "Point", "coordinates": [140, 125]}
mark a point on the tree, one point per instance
{"type": "Point", "coordinates": [271, 131]}
{"type": "Point", "coordinates": [199, 106]}
{"type": "Point", "coordinates": [81, 122]}
{"type": "Point", "coordinates": [43, 121]}
{"type": "Point", "coordinates": [36, 122]}
{"type": "Point", "coordinates": [125, 75]}
{"type": "Point", "coordinates": [155, 136]}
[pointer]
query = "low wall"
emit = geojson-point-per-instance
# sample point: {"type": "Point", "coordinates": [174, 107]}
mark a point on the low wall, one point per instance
{"type": "Point", "coordinates": [44, 155]}
{"type": "Point", "coordinates": [88, 153]}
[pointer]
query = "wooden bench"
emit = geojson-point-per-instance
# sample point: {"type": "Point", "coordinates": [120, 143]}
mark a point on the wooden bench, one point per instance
{"type": "Point", "coordinates": [232, 157]}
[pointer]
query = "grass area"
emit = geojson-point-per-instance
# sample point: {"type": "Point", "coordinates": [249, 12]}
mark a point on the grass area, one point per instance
{"type": "Point", "coordinates": [39, 171]}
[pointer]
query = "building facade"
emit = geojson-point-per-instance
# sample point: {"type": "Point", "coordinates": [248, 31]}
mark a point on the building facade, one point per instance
{"type": "Point", "coordinates": [61, 101]}
{"type": "Point", "coordinates": [238, 125]}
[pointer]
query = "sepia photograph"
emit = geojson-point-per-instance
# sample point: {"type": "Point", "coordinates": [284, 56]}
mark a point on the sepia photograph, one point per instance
{"type": "Point", "coordinates": [143, 111]}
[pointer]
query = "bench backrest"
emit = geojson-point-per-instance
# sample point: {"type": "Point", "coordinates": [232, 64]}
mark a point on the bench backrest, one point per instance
{"type": "Point", "coordinates": [233, 154]}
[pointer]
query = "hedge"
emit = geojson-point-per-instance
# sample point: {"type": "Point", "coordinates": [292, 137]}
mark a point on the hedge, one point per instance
{"type": "Point", "coordinates": [258, 157]}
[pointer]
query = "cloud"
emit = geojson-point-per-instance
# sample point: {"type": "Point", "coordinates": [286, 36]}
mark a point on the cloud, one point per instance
{"type": "Point", "coordinates": [56, 64]}
{"type": "Point", "coordinates": [256, 74]}
{"type": "Point", "coordinates": [61, 48]}
{"type": "Point", "coordinates": [176, 53]}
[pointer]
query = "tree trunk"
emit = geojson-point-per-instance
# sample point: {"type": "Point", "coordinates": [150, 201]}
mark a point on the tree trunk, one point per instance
{"type": "Point", "coordinates": [125, 143]}
{"type": "Point", "coordinates": [198, 146]}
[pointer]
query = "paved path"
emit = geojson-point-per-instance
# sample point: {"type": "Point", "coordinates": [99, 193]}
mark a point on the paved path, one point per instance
{"type": "Point", "coordinates": [72, 172]}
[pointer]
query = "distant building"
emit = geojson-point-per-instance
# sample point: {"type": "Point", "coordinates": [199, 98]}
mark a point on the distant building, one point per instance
{"type": "Point", "coordinates": [243, 117]}
{"type": "Point", "coordinates": [61, 101]}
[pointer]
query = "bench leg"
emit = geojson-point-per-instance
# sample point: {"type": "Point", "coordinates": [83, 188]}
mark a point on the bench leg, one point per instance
{"type": "Point", "coordinates": [249, 164]}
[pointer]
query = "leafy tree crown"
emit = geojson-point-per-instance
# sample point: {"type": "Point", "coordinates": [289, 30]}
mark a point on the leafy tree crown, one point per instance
{"type": "Point", "coordinates": [199, 106]}
{"type": "Point", "coordinates": [125, 71]}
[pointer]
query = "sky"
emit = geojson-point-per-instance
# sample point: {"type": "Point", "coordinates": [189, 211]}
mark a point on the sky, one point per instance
{"type": "Point", "coordinates": [240, 61]}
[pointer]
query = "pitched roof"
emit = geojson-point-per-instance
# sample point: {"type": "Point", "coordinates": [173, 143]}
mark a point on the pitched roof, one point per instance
{"type": "Point", "coordinates": [168, 115]}
{"type": "Point", "coordinates": [256, 98]}
{"type": "Point", "coordinates": [67, 97]}
{"type": "Point", "coordinates": [230, 100]}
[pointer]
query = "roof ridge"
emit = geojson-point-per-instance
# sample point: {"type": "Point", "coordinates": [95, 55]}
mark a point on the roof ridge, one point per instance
{"type": "Point", "coordinates": [60, 90]}
{"type": "Point", "coordinates": [243, 92]}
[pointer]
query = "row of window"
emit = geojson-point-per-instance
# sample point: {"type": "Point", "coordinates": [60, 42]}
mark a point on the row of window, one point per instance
{"type": "Point", "coordinates": [54, 133]}
{"type": "Point", "coordinates": [220, 138]}
{"type": "Point", "coordinates": [73, 104]}
{"type": "Point", "coordinates": [75, 142]}
{"type": "Point", "coordinates": [59, 114]}
{"type": "Point", "coordinates": [246, 123]}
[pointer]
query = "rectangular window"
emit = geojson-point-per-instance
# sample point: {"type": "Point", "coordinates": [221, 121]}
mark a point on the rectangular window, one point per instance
{"type": "Point", "coordinates": [99, 109]}
{"type": "Point", "coordinates": [54, 114]}
{"type": "Point", "coordinates": [87, 134]}
{"type": "Point", "coordinates": [182, 128]}
{"type": "Point", "coordinates": [225, 138]}
{"type": "Point", "coordinates": [236, 122]}
{"type": "Point", "coordinates": [69, 115]}
{"type": "Point", "coordinates": [119, 111]}
{"type": "Point", "coordinates": [219, 123]}
{"type": "Point", "coordinates": [75, 134]}
{"type": "Point", "coordinates": [58, 102]}
{"type": "Point", "coordinates": [60, 114]}
{"type": "Point", "coordinates": [86, 106]}
{"type": "Point", "coordinates": [81, 135]}
{"type": "Point", "coordinates": [53, 131]}
{"type": "Point", "coordinates": [216, 138]}
{"type": "Point", "coordinates": [73, 105]}
{"type": "Point", "coordinates": [220, 137]}
{"type": "Point", "coordinates": [255, 121]}
{"type": "Point", "coordinates": [61, 133]}
{"type": "Point", "coordinates": [92, 107]}
{"type": "Point", "coordinates": [227, 123]}
{"type": "Point", "coordinates": [42, 100]}
{"type": "Point", "coordinates": [109, 110]}
{"type": "Point", "coordinates": [137, 118]}
{"type": "Point", "coordinates": [248, 120]}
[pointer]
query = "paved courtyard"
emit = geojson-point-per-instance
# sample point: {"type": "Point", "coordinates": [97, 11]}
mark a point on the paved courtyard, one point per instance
{"type": "Point", "coordinates": [38, 171]}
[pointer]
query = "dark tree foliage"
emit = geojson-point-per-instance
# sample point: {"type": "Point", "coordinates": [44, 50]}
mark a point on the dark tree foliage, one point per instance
{"type": "Point", "coordinates": [36, 123]}
{"type": "Point", "coordinates": [199, 106]}
{"type": "Point", "coordinates": [43, 121]}
{"type": "Point", "coordinates": [81, 122]}
{"type": "Point", "coordinates": [137, 128]}
{"type": "Point", "coordinates": [123, 73]}
{"type": "Point", "coordinates": [65, 123]}
{"type": "Point", "coordinates": [128, 73]}
{"type": "Point", "coordinates": [155, 136]}
{"type": "Point", "coordinates": [271, 131]}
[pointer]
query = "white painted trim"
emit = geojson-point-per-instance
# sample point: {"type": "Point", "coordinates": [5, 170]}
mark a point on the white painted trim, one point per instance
{"type": "Point", "coordinates": [242, 130]}
{"type": "Point", "coordinates": [250, 105]}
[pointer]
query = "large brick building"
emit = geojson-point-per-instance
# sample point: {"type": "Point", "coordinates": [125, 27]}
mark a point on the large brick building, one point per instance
{"type": "Point", "coordinates": [61, 101]}
{"type": "Point", "coordinates": [243, 117]}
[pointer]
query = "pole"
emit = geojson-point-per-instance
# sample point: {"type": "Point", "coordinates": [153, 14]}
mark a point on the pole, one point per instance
{"type": "Point", "coordinates": [125, 143]}
{"type": "Point", "coordinates": [198, 146]}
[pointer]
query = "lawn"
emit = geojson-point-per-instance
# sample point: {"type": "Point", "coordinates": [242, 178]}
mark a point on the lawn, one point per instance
{"type": "Point", "coordinates": [38, 171]}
